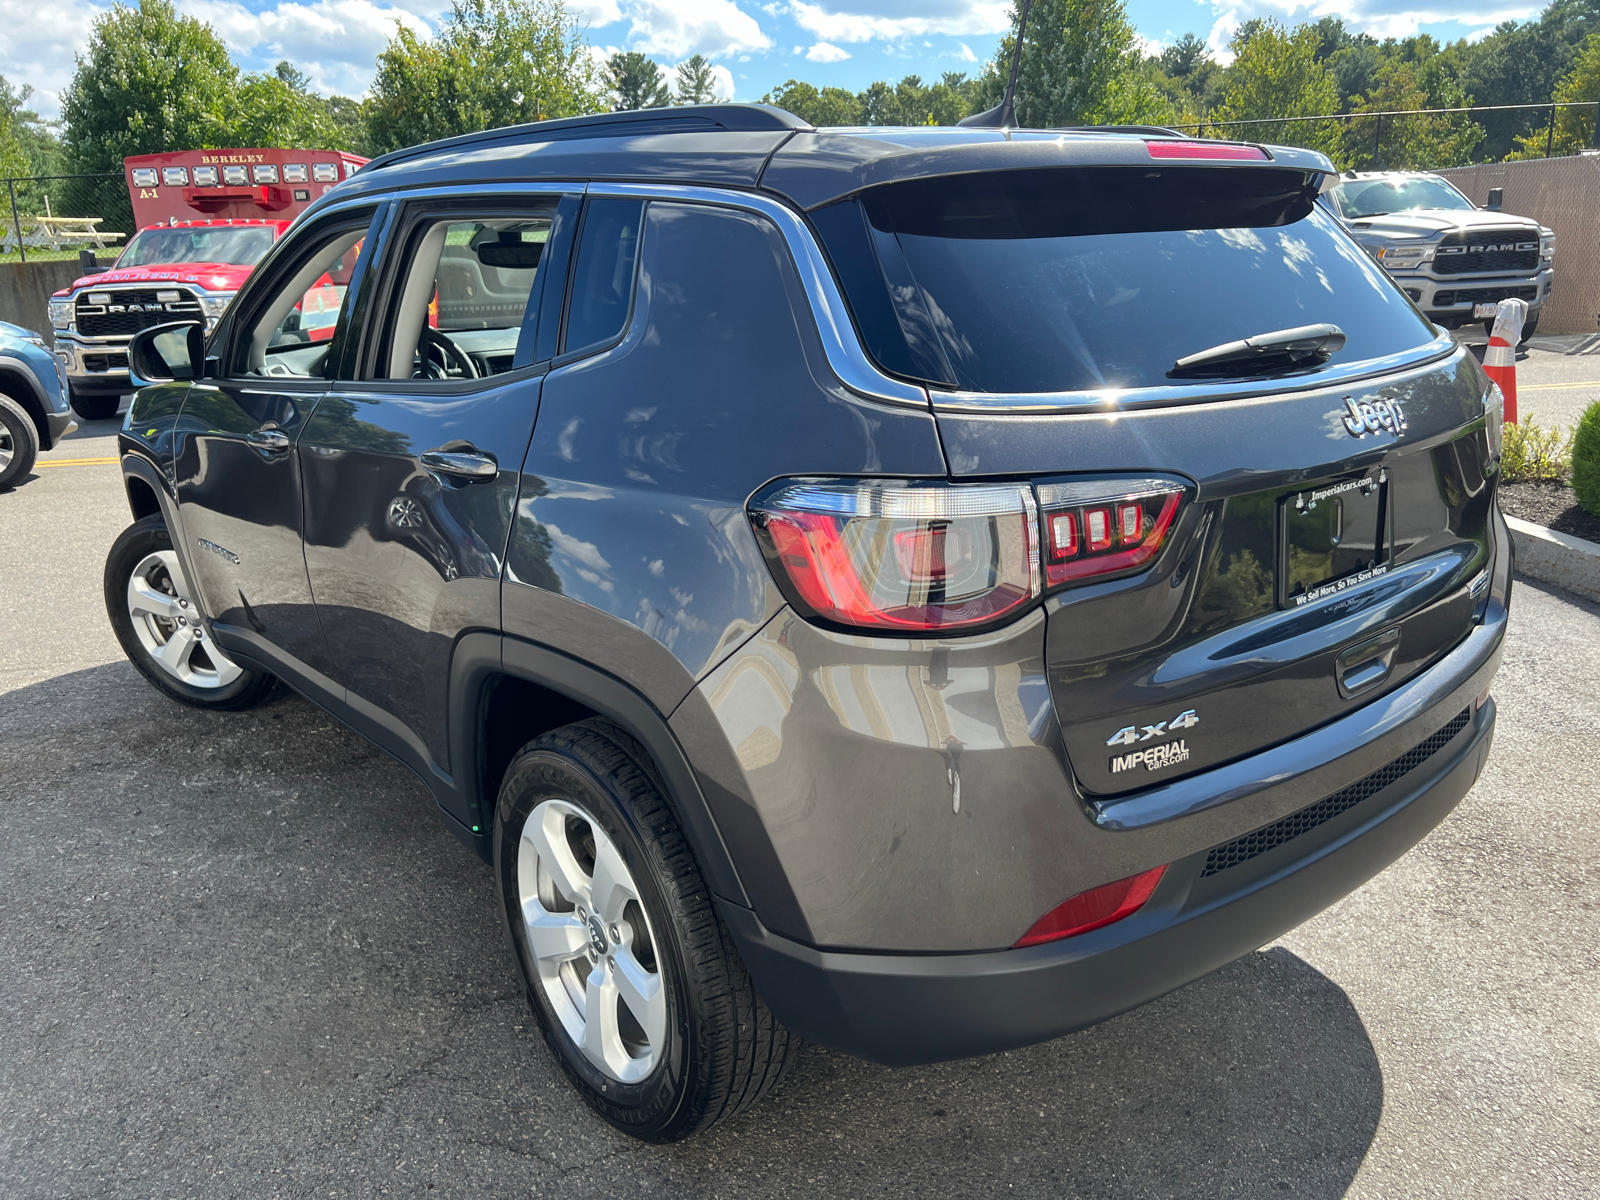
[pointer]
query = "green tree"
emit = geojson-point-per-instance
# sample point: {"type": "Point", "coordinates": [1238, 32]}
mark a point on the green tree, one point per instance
{"type": "Point", "coordinates": [1574, 127]}
{"type": "Point", "coordinates": [696, 82]}
{"type": "Point", "coordinates": [829, 107]}
{"type": "Point", "coordinates": [1432, 141]}
{"type": "Point", "coordinates": [635, 81]}
{"type": "Point", "coordinates": [1077, 56]}
{"type": "Point", "coordinates": [494, 63]}
{"type": "Point", "coordinates": [149, 80]}
{"type": "Point", "coordinates": [278, 108]}
{"type": "Point", "coordinates": [28, 144]}
{"type": "Point", "coordinates": [1276, 73]}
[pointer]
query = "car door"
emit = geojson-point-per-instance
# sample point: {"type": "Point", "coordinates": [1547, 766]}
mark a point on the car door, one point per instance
{"type": "Point", "coordinates": [237, 476]}
{"type": "Point", "coordinates": [411, 467]}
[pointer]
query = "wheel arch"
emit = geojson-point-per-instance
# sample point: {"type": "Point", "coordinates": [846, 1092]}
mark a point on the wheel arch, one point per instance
{"type": "Point", "coordinates": [20, 386]}
{"type": "Point", "coordinates": [506, 691]}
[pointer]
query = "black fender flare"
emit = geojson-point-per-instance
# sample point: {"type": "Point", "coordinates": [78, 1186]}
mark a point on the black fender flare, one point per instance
{"type": "Point", "coordinates": [482, 657]}
{"type": "Point", "coordinates": [16, 377]}
{"type": "Point", "coordinates": [137, 466]}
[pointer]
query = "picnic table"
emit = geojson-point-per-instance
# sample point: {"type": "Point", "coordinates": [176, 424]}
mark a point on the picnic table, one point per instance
{"type": "Point", "coordinates": [53, 231]}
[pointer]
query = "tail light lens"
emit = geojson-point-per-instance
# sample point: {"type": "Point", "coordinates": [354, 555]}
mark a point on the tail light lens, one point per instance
{"type": "Point", "coordinates": [1101, 526]}
{"type": "Point", "coordinates": [1210, 151]}
{"type": "Point", "coordinates": [902, 556]}
{"type": "Point", "coordinates": [1090, 910]}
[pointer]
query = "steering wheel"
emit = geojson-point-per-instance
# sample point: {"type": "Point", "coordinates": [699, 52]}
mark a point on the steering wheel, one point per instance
{"type": "Point", "coordinates": [448, 354]}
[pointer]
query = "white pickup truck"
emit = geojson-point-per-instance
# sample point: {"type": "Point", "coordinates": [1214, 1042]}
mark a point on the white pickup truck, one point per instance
{"type": "Point", "coordinates": [1455, 260]}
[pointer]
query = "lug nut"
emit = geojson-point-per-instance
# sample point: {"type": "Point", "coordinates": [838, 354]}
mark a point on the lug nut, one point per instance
{"type": "Point", "coordinates": [615, 935]}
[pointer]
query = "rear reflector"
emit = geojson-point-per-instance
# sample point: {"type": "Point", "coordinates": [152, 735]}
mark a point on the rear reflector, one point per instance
{"type": "Point", "coordinates": [1211, 151]}
{"type": "Point", "coordinates": [901, 557]}
{"type": "Point", "coordinates": [1090, 910]}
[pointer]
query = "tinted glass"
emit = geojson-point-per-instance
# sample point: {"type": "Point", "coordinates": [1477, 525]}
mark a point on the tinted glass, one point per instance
{"type": "Point", "coordinates": [240, 245]}
{"type": "Point", "coordinates": [1075, 280]}
{"type": "Point", "coordinates": [1375, 197]}
{"type": "Point", "coordinates": [602, 285]}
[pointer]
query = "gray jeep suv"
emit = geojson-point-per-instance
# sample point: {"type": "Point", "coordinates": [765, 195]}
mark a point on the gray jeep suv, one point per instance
{"type": "Point", "coordinates": [920, 590]}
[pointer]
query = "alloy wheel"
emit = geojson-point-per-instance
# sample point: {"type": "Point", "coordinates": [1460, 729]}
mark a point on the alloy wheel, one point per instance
{"type": "Point", "coordinates": [8, 448]}
{"type": "Point", "coordinates": [594, 952]}
{"type": "Point", "coordinates": [169, 626]}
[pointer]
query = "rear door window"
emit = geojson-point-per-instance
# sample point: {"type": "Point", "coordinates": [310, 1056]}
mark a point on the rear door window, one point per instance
{"type": "Point", "coordinates": [1094, 278]}
{"type": "Point", "coordinates": [602, 278]}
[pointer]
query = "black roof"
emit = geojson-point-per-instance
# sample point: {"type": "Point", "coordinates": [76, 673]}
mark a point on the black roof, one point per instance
{"type": "Point", "coordinates": [757, 145]}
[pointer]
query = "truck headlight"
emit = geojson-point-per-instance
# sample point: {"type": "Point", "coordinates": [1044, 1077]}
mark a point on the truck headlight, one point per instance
{"type": "Point", "coordinates": [61, 313]}
{"type": "Point", "coordinates": [1404, 256]}
{"type": "Point", "coordinates": [1547, 248]}
{"type": "Point", "coordinates": [214, 307]}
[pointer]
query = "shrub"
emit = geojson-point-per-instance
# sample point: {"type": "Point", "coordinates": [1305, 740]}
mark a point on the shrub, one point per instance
{"type": "Point", "coordinates": [1586, 459]}
{"type": "Point", "coordinates": [1530, 452]}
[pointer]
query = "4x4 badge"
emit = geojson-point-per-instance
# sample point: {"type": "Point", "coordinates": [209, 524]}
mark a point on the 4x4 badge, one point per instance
{"type": "Point", "coordinates": [1130, 734]}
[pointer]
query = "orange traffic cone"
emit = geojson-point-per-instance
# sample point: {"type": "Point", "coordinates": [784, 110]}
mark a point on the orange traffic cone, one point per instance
{"type": "Point", "coordinates": [1500, 359]}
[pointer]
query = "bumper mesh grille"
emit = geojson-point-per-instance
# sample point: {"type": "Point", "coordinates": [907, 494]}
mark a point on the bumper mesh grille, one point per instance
{"type": "Point", "coordinates": [1270, 837]}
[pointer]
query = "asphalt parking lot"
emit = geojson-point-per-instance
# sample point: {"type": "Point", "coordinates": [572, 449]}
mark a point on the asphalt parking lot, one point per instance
{"type": "Point", "coordinates": [239, 956]}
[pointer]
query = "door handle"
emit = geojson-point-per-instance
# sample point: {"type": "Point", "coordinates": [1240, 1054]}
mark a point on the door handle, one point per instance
{"type": "Point", "coordinates": [473, 466]}
{"type": "Point", "coordinates": [1362, 666]}
{"type": "Point", "coordinates": [268, 439]}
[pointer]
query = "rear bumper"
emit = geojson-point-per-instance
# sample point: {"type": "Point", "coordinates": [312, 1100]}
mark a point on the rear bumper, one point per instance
{"type": "Point", "coordinates": [905, 1009]}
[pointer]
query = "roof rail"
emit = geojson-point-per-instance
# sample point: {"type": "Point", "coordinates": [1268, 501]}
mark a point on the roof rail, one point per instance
{"type": "Point", "coordinates": [1156, 130]}
{"type": "Point", "coordinates": [689, 118]}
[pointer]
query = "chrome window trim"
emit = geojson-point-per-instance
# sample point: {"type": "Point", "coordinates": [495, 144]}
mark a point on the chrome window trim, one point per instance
{"type": "Point", "coordinates": [1122, 399]}
{"type": "Point", "coordinates": [845, 355]}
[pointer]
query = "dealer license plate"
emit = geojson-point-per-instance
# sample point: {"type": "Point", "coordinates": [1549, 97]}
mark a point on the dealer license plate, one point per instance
{"type": "Point", "coordinates": [1331, 537]}
{"type": "Point", "coordinates": [1485, 310]}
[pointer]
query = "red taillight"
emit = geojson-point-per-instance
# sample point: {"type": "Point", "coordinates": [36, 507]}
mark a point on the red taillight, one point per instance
{"type": "Point", "coordinates": [1090, 910]}
{"type": "Point", "coordinates": [1211, 151]}
{"type": "Point", "coordinates": [899, 556]}
{"type": "Point", "coordinates": [1125, 522]}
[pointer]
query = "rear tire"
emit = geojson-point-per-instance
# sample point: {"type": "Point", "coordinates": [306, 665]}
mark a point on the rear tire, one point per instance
{"type": "Point", "coordinates": [601, 891]}
{"type": "Point", "coordinates": [160, 627]}
{"type": "Point", "coordinates": [19, 442]}
{"type": "Point", "coordinates": [95, 407]}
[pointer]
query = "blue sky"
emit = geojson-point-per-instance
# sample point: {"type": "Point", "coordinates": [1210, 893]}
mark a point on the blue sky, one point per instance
{"type": "Point", "coordinates": [755, 44]}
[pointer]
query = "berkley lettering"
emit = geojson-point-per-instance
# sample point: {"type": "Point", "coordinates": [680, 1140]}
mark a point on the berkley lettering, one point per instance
{"type": "Point", "coordinates": [1156, 758]}
{"type": "Point", "coordinates": [208, 159]}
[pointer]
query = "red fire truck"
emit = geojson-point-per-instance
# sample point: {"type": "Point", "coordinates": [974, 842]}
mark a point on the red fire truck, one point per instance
{"type": "Point", "coordinates": [205, 218]}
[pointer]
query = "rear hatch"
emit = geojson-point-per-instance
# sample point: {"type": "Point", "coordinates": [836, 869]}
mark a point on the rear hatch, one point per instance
{"type": "Point", "coordinates": [1321, 512]}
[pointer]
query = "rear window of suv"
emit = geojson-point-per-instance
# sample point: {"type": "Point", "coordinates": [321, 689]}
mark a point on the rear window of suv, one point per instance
{"type": "Point", "coordinates": [1083, 279]}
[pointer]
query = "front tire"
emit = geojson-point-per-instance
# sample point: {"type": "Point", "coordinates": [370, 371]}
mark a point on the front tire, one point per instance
{"type": "Point", "coordinates": [161, 629]}
{"type": "Point", "coordinates": [19, 442]}
{"type": "Point", "coordinates": [637, 986]}
{"type": "Point", "coordinates": [93, 406]}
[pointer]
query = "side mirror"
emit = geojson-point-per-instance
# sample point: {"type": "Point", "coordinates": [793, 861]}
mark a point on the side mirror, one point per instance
{"type": "Point", "coordinates": [1497, 198]}
{"type": "Point", "coordinates": [175, 351]}
{"type": "Point", "coordinates": [88, 264]}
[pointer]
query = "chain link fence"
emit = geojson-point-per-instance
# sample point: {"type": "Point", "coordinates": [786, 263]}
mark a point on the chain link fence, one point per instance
{"type": "Point", "coordinates": [55, 216]}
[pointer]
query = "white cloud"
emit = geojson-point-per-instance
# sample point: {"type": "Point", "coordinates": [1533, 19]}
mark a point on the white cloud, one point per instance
{"type": "Point", "coordinates": [826, 52]}
{"type": "Point", "coordinates": [869, 20]}
{"type": "Point", "coordinates": [715, 28]}
{"type": "Point", "coordinates": [1380, 18]}
{"type": "Point", "coordinates": [966, 54]}
{"type": "Point", "coordinates": [335, 42]}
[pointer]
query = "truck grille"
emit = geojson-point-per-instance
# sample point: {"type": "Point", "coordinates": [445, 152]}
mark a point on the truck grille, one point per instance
{"type": "Point", "coordinates": [1487, 250]}
{"type": "Point", "coordinates": [1483, 295]}
{"type": "Point", "coordinates": [1270, 837]}
{"type": "Point", "coordinates": [131, 310]}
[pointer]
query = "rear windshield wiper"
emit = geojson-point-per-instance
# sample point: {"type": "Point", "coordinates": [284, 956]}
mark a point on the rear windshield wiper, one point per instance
{"type": "Point", "coordinates": [1264, 354]}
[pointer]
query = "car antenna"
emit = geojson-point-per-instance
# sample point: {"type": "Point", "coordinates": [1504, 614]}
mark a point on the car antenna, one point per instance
{"type": "Point", "coordinates": [1004, 114]}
